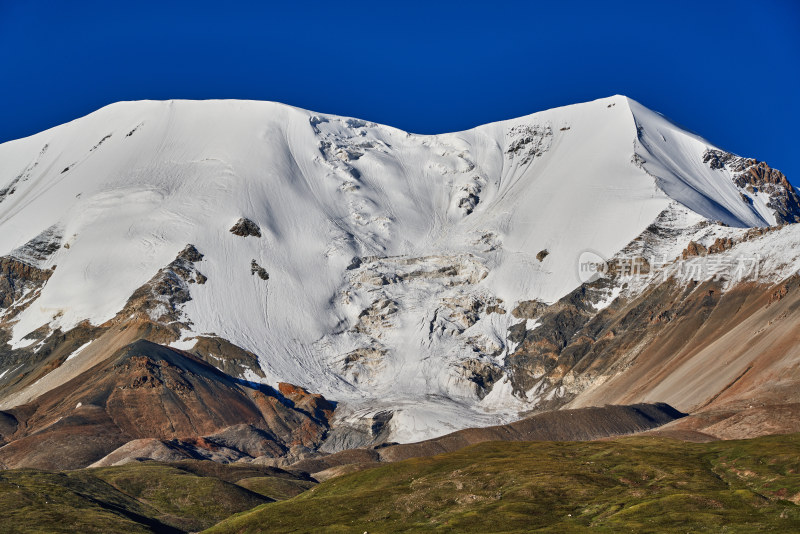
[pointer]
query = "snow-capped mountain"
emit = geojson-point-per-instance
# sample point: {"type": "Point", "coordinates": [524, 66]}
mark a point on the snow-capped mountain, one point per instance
{"type": "Point", "coordinates": [384, 270]}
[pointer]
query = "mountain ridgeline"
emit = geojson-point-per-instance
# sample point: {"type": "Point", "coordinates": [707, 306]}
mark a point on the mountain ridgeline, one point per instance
{"type": "Point", "coordinates": [248, 281]}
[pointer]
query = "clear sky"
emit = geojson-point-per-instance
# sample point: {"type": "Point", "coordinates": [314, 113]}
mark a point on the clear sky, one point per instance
{"type": "Point", "coordinates": [727, 70]}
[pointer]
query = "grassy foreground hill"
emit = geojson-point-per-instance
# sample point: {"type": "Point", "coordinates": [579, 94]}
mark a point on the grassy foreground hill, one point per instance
{"type": "Point", "coordinates": [138, 497]}
{"type": "Point", "coordinates": [638, 484]}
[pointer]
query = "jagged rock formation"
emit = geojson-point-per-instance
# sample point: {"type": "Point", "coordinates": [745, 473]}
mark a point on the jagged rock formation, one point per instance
{"type": "Point", "coordinates": [529, 142]}
{"type": "Point", "coordinates": [245, 227]}
{"type": "Point", "coordinates": [18, 279]}
{"type": "Point", "coordinates": [22, 272]}
{"type": "Point", "coordinates": [161, 298]}
{"type": "Point", "coordinates": [757, 177]}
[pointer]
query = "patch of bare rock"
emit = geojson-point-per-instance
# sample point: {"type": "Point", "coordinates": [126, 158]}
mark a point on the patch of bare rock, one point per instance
{"type": "Point", "coordinates": [245, 227]}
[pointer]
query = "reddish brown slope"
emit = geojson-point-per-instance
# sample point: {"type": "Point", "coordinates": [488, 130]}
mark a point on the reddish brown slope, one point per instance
{"type": "Point", "coordinates": [720, 355]}
{"type": "Point", "coordinates": [148, 390]}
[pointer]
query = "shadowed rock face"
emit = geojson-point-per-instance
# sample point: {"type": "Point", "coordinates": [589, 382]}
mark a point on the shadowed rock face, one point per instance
{"type": "Point", "coordinates": [8, 425]}
{"type": "Point", "coordinates": [540, 351]}
{"type": "Point", "coordinates": [159, 392]}
{"type": "Point", "coordinates": [22, 273]}
{"type": "Point", "coordinates": [234, 443]}
{"type": "Point", "coordinates": [315, 405]}
{"type": "Point", "coordinates": [17, 277]}
{"type": "Point", "coordinates": [147, 390]}
{"type": "Point", "coordinates": [256, 269]}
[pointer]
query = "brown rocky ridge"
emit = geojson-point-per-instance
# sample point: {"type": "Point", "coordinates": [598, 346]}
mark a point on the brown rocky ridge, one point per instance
{"type": "Point", "coordinates": [150, 392]}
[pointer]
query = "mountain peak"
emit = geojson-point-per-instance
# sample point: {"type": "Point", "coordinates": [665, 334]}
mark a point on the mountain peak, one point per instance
{"type": "Point", "coordinates": [370, 253]}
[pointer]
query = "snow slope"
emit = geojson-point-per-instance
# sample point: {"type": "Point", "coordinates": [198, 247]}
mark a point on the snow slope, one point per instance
{"type": "Point", "coordinates": [675, 158]}
{"type": "Point", "coordinates": [443, 225]}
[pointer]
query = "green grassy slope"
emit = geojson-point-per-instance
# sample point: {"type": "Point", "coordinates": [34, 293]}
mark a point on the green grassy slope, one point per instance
{"type": "Point", "coordinates": [148, 497]}
{"type": "Point", "coordinates": [637, 484]}
{"type": "Point", "coordinates": [640, 484]}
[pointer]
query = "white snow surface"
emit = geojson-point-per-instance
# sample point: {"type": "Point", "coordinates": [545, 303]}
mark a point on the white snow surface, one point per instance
{"type": "Point", "coordinates": [674, 157]}
{"type": "Point", "coordinates": [78, 351]}
{"type": "Point", "coordinates": [440, 221]}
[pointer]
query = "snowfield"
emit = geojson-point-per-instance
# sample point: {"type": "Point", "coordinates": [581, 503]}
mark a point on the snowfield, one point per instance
{"type": "Point", "coordinates": [394, 259]}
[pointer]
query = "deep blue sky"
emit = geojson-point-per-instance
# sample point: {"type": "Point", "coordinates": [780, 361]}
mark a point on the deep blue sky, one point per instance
{"type": "Point", "coordinates": [727, 70]}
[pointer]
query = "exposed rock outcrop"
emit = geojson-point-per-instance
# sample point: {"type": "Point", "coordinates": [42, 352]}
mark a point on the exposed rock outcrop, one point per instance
{"type": "Point", "coordinates": [226, 356]}
{"type": "Point", "coordinates": [23, 272]}
{"type": "Point", "coordinates": [692, 344]}
{"type": "Point", "coordinates": [17, 279]}
{"type": "Point", "coordinates": [245, 227]}
{"type": "Point", "coordinates": [258, 270]}
{"type": "Point", "coordinates": [694, 249]}
{"type": "Point", "coordinates": [529, 141]}
{"type": "Point", "coordinates": [161, 298]}
{"type": "Point", "coordinates": [529, 309]}
{"type": "Point", "coordinates": [482, 374]}
{"type": "Point", "coordinates": [756, 176]}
